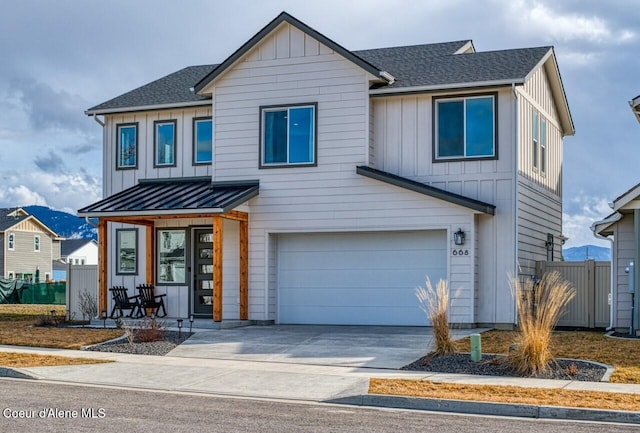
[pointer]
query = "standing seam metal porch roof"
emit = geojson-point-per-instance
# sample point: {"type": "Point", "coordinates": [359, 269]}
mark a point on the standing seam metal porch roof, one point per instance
{"type": "Point", "coordinates": [174, 196]}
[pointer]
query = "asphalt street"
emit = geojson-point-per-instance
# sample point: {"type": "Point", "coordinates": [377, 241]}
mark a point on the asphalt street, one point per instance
{"type": "Point", "coordinates": [29, 406]}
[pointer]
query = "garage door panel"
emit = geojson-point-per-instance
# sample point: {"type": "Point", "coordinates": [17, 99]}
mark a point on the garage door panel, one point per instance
{"type": "Point", "coordinates": [357, 278]}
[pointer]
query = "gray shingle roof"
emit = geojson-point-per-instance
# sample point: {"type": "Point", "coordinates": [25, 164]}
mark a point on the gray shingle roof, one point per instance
{"type": "Point", "coordinates": [412, 66]}
{"type": "Point", "coordinates": [428, 65]}
{"type": "Point", "coordinates": [69, 246]}
{"type": "Point", "coordinates": [174, 88]}
{"type": "Point", "coordinates": [7, 221]}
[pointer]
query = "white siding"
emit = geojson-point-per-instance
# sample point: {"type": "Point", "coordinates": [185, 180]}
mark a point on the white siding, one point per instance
{"type": "Point", "coordinates": [117, 180]}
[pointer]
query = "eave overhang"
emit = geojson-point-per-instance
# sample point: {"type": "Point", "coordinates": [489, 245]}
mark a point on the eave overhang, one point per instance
{"type": "Point", "coordinates": [412, 185]}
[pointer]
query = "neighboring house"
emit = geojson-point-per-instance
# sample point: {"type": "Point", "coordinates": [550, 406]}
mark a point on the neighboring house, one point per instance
{"type": "Point", "coordinates": [26, 245]}
{"type": "Point", "coordinates": [79, 251]}
{"type": "Point", "coordinates": [300, 182]}
{"type": "Point", "coordinates": [623, 225]}
{"type": "Point", "coordinates": [75, 252]}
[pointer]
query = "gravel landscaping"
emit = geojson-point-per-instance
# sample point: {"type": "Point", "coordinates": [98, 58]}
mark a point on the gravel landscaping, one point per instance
{"type": "Point", "coordinates": [495, 365]}
{"type": "Point", "coordinates": [157, 348]}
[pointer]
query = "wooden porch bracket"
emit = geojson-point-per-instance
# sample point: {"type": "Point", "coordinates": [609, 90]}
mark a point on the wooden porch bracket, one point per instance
{"type": "Point", "coordinates": [217, 268]}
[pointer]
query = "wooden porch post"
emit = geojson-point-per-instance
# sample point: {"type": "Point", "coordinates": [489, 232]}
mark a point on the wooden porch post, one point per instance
{"type": "Point", "coordinates": [244, 270]}
{"type": "Point", "coordinates": [102, 265]}
{"type": "Point", "coordinates": [217, 268]}
{"type": "Point", "coordinates": [150, 255]}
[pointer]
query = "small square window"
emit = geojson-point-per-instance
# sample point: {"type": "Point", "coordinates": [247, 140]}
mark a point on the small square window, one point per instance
{"type": "Point", "coordinates": [127, 146]}
{"type": "Point", "coordinates": [36, 243]}
{"type": "Point", "coordinates": [202, 140]}
{"type": "Point", "coordinates": [126, 252]}
{"type": "Point", "coordinates": [465, 127]}
{"type": "Point", "coordinates": [288, 135]}
{"type": "Point", "coordinates": [165, 137]}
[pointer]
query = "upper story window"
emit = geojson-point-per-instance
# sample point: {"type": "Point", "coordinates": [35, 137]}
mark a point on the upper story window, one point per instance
{"type": "Point", "coordinates": [202, 140]}
{"type": "Point", "coordinates": [288, 135]}
{"type": "Point", "coordinates": [539, 141]}
{"type": "Point", "coordinates": [36, 243]}
{"type": "Point", "coordinates": [165, 137]}
{"type": "Point", "coordinates": [11, 242]}
{"type": "Point", "coordinates": [127, 146]}
{"type": "Point", "coordinates": [465, 127]}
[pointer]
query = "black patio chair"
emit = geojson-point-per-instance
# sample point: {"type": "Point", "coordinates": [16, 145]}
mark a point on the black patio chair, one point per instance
{"type": "Point", "coordinates": [122, 301]}
{"type": "Point", "coordinates": [148, 299]}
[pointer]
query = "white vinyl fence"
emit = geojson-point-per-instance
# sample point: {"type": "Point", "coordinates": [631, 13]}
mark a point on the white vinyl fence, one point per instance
{"type": "Point", "coordinates": [79, 279]}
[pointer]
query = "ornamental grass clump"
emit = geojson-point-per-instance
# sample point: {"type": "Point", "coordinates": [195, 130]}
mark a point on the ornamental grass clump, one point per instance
{"type": "Point", "coordinates": [435, 304]}
{"type": "Point", "coordinates": [540, 306]}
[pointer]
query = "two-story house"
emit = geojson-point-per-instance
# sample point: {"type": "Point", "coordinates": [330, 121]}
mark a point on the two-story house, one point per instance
{"type": "Point", "coordinates": [27, 246]}
{"type": "Point", "coordinates": [301, 182]}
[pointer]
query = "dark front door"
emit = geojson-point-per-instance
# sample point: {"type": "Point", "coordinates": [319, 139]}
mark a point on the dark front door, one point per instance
{"type": "Point", "coordinates": [203, 272]}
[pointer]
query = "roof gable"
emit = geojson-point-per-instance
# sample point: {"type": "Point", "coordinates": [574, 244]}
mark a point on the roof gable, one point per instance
{"type": "Point", "coordinates": [272, 26]}
{"type": "Point", "coordinates": [12, 217]}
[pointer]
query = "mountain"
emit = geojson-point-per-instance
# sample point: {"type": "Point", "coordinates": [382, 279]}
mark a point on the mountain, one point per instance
{"type": "Point", "coordinates": [584, 252]}
{"type": "Point", "coordinates": [63, 223]}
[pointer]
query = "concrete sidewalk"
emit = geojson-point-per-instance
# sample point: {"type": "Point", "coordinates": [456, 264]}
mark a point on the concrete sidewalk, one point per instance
{"type": "Point", "coordinates": [321, 383]}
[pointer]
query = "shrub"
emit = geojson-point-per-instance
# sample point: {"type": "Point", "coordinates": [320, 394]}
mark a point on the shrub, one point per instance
{"type": "Point", "coordinates": [148, 330]}
{"type": "Point", "coordinates": [435, 304]}
{"type": "Point", "coordinates": [539, 306]}
{"type": "Point", "coordinates": [88, 305]}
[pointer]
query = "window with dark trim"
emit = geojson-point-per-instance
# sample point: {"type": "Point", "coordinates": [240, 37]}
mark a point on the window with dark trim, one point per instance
{"type": "Point", "coordinates": [288, 135]}
{"type": "Point", "coordinates": [127, 146]}
{"type": "Point", "coordinates": [126, 252]}
{"type": "Point", "coordinates": [465, 127]}
{"type": "Point", "coordinates": [539, 142]}
{"type": "Point", "coordinates": [202, 140]}
{"type": "Point", "coordinates": [165, 136]}
{"type": "Point", "coordinates": [171, 246]}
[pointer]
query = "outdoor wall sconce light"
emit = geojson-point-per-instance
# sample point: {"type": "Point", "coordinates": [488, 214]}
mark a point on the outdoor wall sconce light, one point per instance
{"type": "Point", "coordinates": [179, 328]}
{"type": "Point", "coordinates": [458, 237]}
{"type": "Point", "coordinates": [190, 322]}
{"type": "Point", "coordinates": [103, 314]}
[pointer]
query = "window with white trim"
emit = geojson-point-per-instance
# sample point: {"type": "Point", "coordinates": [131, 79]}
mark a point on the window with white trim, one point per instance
{"type": "Point", "coordinates": [288, 135]}
{"type": "Point", "coordinates": [11, 241]}
{"type": "Point", "coordinates": [36, 243]}
{"type": "Point", "coordinates": [465, 127]}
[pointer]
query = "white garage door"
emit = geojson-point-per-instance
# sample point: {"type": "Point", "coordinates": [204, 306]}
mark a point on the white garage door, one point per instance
{"type": "Point", "coordinates": [357, 278]}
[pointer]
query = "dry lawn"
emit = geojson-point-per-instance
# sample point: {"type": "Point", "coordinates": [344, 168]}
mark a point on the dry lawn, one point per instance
{"type": "Point", "coordinates": [506, 394]}
{"type": "Point", "coordinates": [624, 355]}
{"type": "Point", "coordinates": [9, 359]}
{"type": "Point", "coordinates": [16, 329]}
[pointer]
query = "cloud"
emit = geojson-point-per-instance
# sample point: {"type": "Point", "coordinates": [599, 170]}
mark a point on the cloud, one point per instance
{"type": "Point", "coordinates": [556, 25]}
{"type": "Point", "coordinates": [64, 191]}
{"type": "Point", "coordinates": [582, 212]}
{"type": "Point", "coordinates": [47, 108]}
{"type": "Point", "coordinates": [51, 163]}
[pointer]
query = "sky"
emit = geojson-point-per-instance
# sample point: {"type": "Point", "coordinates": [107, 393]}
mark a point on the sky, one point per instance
{"type": "Point", "coordinates": [59, 58]}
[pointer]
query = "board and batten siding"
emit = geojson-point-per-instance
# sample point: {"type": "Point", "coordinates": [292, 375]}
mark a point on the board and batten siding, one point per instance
{"type": "Point", "coordinates": [118, 180]}
{"type": "Point", "coordinates": [289, 67]}
{"type": "Point", "coordinates": [403, 144]}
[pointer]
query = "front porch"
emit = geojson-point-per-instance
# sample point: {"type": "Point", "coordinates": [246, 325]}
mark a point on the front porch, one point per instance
{"type": "Point", "coordinates": [169, 215]}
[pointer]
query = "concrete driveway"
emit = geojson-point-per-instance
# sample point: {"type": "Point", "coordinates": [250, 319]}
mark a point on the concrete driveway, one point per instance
{"type": "Point", "coordinates": [353, 346]}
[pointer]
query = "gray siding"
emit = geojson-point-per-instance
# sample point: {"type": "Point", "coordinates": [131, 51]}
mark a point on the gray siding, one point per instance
{"type": "Point", "coordinates": [23, 259]}
{"type": "Point", "coordinates": [623, 254]}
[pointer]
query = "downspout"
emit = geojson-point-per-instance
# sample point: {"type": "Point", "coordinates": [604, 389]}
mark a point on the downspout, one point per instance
{"type": "Point", "coordinates": [97, 119]}
{"type": "Point", "coordinates": [516, 159]}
